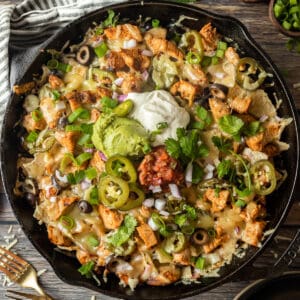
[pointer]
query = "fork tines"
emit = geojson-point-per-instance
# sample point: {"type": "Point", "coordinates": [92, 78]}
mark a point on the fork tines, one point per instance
{"type": "Point", "coordinates": [12, 265]}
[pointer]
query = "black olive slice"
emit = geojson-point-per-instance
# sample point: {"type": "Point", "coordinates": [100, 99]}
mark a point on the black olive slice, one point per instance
{"type": "Point", "coordinates": [84, 55]}
{"type": "Point", "coordinates": [200, 237]}
{"type": "Point", "coordinates": [218, 90]}
{"type": "Point", "coordinates": [85, 207]}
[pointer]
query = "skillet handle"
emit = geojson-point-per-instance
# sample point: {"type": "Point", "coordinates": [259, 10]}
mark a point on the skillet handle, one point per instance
{"type": "Point", "coordinates": [283, 264]}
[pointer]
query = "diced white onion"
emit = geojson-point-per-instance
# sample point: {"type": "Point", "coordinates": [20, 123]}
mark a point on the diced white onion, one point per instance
{"type": "Point", "coordinates": [145, 75]}
{"type": "Point", "coordinates": [85, 185]}
{"type": "Point", "coordinates": [160, 204]}
{"type": "Point", "coordinates": [60, 105]}
{"type": "Point", "coordinates": [263, 118]}
{"type": "Point", "coordinates": [119, 81]}
{"type": "Point", "coordinates": [129, 44]}
{"type": "Point", "coordinates": [31, 103]}
{"type": "Point", "coordinates": [209, 170]}
{"type": "Point", "coordinates": [152, 224]}
{"type": "Point", "coordinates": [124, 267]}
{"type": "Point", "coordinates": [148, 202]}
{"type": "Point", "coordinates": [155, 188]}
{"type": "Point", "coordinates": [174, 190]}
{"type": "Point", "coordinates": [115, 95]}
{"type": "Point", "coordinates": [53, 199]}
{"type": "Point", "coordinates": [219, 75]}
{"type": "Point", "coordinates": [164, 213]}
{"type": "Point", "coordinates": [63, 179]}
{"type": "Point", "coordinates": [147, 53]}
{"type": "Point", "coordinates": [189, 174]}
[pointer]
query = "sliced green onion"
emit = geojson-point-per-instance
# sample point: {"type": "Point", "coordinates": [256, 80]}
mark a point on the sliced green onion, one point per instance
{"type": "Point", "coordinates": [188, 229]}
{"type": "Point", "coordinates": [56, 94]}
{"type": "Point", "coordinates": [84, 139]}
{"type": "Point", "coordinates": [293, 2]}
{"type": "Point", "coordinates": [155, 23]}
{"type": "Point", "coordinates": [200, 263]}
{"type": "Point", "coordinates": [101, 50]}
{"type": "Point", "coordinates": [93, 196]}
{"type": "Point", "coordinates": [52, 64]}
{"type": "Point", "coordinates": [240, 203]}
{"type": "Point", "coordinates": [36, 115]}
{"type": "Point", "coordinates": [92, 240]}
{"type": "Point", "coordinates": [278, 9]}
{"type": "Point", "coordinates": [80, 113]}
{"type": "Point", "coordinates": [215, 60]}
{"type": "Point", "coordinates": [91, 173]}
{"type": "Point", "coordinates": [220, 53]}
{"type": "Point", "coordinates": [67, 222]}
{"type": "Point", "coordinates": [206, 61]}
{"type": "Point", "coordinates": [55, 64]}
{"type": "Point", "coordinates": [32, 137]}
{"type": "Point", "coordinates": [222, 45]}
{"type": "Point", "coordinates": [193, 58]}
{"type": "Point", "coordinates": [83, 157]}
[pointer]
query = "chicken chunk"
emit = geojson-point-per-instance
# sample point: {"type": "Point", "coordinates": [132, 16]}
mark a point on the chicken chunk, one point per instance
{"type": "Point", "coordinates": [158, 32]}
{"type": "Point", "coordinates": [218, 200]}
{"type": "Point", "coordinates": [135, 60]}
{"type": "Point", "coordinates": [167, 275]}
{"type": "Point", "coordinates": [253, 232]}
{"type": "Point", "coordinates": [209, 37]}
{"type": "Point", "coordinates": [23, 88]}
{"type": "Point", "coordinates": [132, 82]}
{"type": "Point", "coordinates": [56, 237]}
{"type": "Point", "coordinates": [147, 235]}
{"type": "Point", "coordinates": [112, 219]}
{"type": "Point", "coordinates": [255, 142]}
{"type": "Point", "coordinates": [123, 32]}
{"type": "Point", "coordinates": [97, 162]}
{"type": "Point", "coordinates": [50, 114]}
{"type": "Point", "coordinates": [218, 108]}
{"type": "Point", "coordinates": [160, 45]}
{"type": "Point", "coordinates": [30, 124]}
{"type": "Point", "coordinates": [55, 81]}
{"type": "Point", "coordinates": [232, 56]}
{"type": "Point", "coordinates": [115, 61]}
{"type": "Point", "coordinates": [67, 139]}
{"type": "Point", "coordinates": [240, 105]}
{"type": "Point", "coordinates": [182, 258]}
{"type": "Point", "coordinates": [186, 90]}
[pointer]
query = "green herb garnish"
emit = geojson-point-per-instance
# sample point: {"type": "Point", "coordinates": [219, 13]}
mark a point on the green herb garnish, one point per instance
{"type": "Point", "coordinates": [87, 269]}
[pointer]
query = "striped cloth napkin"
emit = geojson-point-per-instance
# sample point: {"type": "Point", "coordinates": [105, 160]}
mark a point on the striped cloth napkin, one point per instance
{"type": "Point", "coordinates": [26, 27]}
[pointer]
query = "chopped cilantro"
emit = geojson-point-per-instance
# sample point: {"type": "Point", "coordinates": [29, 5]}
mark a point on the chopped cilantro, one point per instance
{"type": "Point", "coordinates": [187, 147]}
{"type": "Point", "coordinates": [197, 173]}
{"type": "Point", "coordinates": [224, 145]}
{"type": "Point", "coordinates": [204, 116]}
{"type": "Point", "coordinates": [226, 169]}
{"type": "Point", "coordinates": [180, 219]}
{"type": "Point", "coordinates": [252, 128]}
{"type": "Point", "coordinates": [190, 211]}
{"type": "Point", "coordinates": [231, 125]}
{"type": "Point", "coordinates": [124, 232]}
{"type": "Point", "coordinates": [87, 269]}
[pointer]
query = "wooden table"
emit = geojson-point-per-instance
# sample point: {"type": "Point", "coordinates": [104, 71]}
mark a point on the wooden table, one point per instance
{"type": "Point", "coordinates": [255, 17]}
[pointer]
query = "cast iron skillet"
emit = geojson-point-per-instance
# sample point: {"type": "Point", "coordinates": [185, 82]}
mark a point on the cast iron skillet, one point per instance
{"type": "Point", "coordinates": [66, 267]}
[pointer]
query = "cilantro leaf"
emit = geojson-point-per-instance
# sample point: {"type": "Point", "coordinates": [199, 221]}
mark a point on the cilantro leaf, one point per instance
{"type": "Point", "coordinates": [124, 232]}
{"type": "Point", "coordinates": [252, 128]}
{"type": "Point", "coordinates": [173, 147]}
{"type": "Point", "coordinates": [204, 117]}
{"type": "Point", "coordinates": [225, 169]}
{"type": "Point", "coordinates": [231, 125]}
{"type": "Point", "coordinates": [197, 173]}
{"type": "Point", "coordinates": [222, 144]}
{"type": "Point", "coordinates": [87, 269]}
{"type": "Point", "coordinates": [190, 211]}
{"type": "Point", "coordinates": [111, 20]}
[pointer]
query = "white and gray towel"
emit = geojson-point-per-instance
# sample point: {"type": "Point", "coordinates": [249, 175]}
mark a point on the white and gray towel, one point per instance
{"type": "Point", "coordinates": [26, 27]}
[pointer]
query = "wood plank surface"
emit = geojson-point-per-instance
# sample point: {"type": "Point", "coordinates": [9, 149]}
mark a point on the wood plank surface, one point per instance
{"type": "Point", "coordinates": [255, 17]}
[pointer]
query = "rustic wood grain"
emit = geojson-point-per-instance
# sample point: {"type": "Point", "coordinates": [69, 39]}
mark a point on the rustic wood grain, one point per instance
{"type": "Point", "coordinates": [255, 17]}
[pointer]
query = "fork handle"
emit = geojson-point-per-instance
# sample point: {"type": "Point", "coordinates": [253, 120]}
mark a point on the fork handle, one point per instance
{"type": "Point", "coordinates": [37, 287]}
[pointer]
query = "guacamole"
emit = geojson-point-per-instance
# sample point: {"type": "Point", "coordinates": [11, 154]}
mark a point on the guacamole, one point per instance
{"type": "Point", "coordinates": [119, 135]}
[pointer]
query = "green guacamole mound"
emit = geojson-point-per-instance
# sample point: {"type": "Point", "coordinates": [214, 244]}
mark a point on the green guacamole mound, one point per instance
{"type": "Point", "coordinates": [118, 135]}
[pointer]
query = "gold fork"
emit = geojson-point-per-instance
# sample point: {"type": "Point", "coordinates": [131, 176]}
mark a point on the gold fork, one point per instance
{"type": "Point", "coordinates": [19, 296]}
{"type": "Point", "coordinates": [18, 270]}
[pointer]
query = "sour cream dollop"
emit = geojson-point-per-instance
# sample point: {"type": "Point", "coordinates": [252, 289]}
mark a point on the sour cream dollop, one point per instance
{"type": "Point", "coordinates": [153, 108]}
